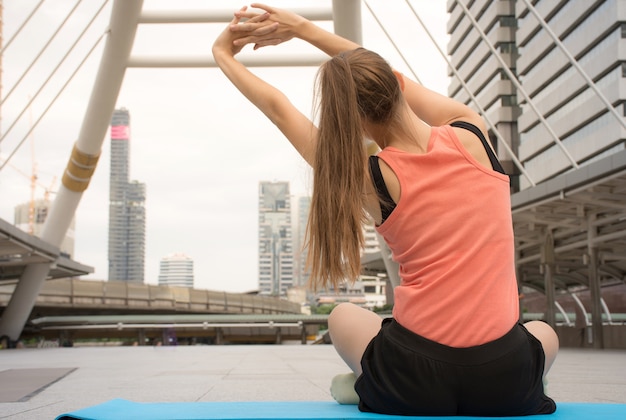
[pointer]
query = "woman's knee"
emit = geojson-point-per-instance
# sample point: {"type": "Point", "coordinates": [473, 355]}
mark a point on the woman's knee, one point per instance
{"type": "Point", "coordinates": [340, 315]}
{"type": "Point", "coordinates": [351, 328]}
{"type": "Point", "coordinates": [548, 338]}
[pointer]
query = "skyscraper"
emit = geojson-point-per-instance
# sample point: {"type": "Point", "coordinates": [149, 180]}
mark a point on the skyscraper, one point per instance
{"type": "Point", "coordinates": [176, 270]}
{"type": "Point", "coordinates": [301, 276]}
{"type": "Point", "coordinates": [276, 257]}
{"type": "Point", "coordinates": [127, 217]}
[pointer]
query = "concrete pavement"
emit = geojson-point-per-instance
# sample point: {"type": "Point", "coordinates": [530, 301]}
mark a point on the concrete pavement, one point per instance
{"type": "Point", "coordinates": [235, 373]}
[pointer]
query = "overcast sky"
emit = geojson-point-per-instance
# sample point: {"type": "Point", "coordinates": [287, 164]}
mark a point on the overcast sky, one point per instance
{"type": "Point", "coordinates": [197, 144]}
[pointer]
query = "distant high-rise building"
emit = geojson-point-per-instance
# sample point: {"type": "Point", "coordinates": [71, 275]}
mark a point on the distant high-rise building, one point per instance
{"type": "Point", "coordinates": [127, 215]}
{"type": "Point", "coordinates": [276, 256]}
{"type": "Point", "coordinates": [33, 224]}
{"type": "Point", "coordinates": [372, 244]}
{"type": "Point", "coordinates": [301, 276]}
{"type": "Point", "coordinates": [176, 270]}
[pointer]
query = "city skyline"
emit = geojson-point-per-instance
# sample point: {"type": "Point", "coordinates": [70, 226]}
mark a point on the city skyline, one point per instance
{"type": "Point", "coordinates": [198, 145]}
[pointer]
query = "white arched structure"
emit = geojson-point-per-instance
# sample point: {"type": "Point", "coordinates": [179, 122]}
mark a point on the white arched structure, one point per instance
{"type": "Point", "coordinates": [569, 228]}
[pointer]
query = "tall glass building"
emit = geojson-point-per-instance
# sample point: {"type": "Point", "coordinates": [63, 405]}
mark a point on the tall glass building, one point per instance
{"type": "Point", "coordinates": [276, 256]}
{"type": "Point", "coordinates": [127, 214]}
{"type": "Point", "coordinates": [176, 270]}
{"type": "Point", "coordinates": [301, 277]}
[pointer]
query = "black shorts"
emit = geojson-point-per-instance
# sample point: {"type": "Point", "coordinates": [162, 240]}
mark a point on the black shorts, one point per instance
{"type": "Point", "coordinates": [406, 374]}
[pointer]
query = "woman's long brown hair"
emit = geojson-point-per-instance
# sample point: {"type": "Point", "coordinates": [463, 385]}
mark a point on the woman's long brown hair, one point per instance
{"type": "Point", "coordinates": [354, 86]}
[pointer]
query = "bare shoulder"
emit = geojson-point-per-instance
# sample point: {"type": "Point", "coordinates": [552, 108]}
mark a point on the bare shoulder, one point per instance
{"type": "Point", "coordinates": [472, 143]}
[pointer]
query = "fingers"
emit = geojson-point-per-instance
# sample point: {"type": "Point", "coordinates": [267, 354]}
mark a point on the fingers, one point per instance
{"type": "Point", "coordinates": [253, 36]}
{"type": "Point", "coordinates": [252, 16]}
{"type": "Point", "coordinates": [266, 43]}
{"type": "Point", "coordinates": [257, 28]}
{"type": "Point", "coordinates": [244, 41]}
{"type": "Point", "coordinates": [263, 7]}
{"type": "Point", "coordinates": [264, 30]}
{"type": "Point", "coordinates": [255, 40]}
{"type": "Point", "coordinates": [237, 18]}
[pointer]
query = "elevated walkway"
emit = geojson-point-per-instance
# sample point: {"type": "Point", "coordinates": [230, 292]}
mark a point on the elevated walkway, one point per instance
{"type": "Point", "coordinates": [75, 296]}
{"type": "Point", "coordinates": [204, 328]}
{"type": "Point", "coordinates": [73, 308]}
{"type": "Point", "coordinates": [18, 249]}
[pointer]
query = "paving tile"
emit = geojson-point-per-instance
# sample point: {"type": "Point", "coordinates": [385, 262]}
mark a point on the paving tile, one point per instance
{"type": "Point", "coordinates": [247, 373]}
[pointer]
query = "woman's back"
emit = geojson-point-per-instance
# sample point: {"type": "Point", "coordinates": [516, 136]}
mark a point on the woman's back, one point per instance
{"type": "Point", "coordinates": [451, 233]}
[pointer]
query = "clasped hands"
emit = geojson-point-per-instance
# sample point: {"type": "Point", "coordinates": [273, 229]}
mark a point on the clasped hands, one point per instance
{"type": "Point", "coordinates": [272, 26]}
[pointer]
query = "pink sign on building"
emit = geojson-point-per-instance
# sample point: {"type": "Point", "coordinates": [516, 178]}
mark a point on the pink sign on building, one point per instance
{"type": "Point", "coordinates": [120, 132]}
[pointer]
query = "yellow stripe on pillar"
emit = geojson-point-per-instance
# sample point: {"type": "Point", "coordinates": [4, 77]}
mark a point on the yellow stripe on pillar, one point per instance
{"type": "Point", "coordinates": [79, 170]}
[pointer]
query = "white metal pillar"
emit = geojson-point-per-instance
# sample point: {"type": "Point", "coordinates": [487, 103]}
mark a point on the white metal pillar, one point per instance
{"type": "Point", "coordinates": [548, 263]}
{"type": "Point", "coordinates": [82, 163]}
{"type": "Point", "coordinates": [347, 19]}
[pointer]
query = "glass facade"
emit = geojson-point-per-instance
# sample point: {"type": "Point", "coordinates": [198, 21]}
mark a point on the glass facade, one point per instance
{"type": "Point", "coordinates": [276, 254]}
{"type": "Point", "coordinates": [591, 34]}
{"type": "Point", "coordinates": [127, 214]}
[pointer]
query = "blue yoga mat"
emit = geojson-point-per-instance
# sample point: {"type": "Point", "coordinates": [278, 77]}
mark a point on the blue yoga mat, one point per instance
{"type": "Point", "coordinates": [297, 410]}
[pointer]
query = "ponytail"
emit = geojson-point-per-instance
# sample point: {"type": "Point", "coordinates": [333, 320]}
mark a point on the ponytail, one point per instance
{"type": "Point", "coordinates": [334, 231]}
{"type": "Point", "coordinates": [354, 87]}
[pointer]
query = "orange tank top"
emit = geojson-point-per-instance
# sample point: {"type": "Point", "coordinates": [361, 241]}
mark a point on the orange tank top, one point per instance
{"type": "Point", "coordinates": [452, 234]}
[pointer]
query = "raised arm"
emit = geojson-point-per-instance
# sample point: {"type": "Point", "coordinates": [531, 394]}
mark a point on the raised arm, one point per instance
{"type": "Point", "coordinates": [431, 107]}
{"type": "Point", "coordinates": [436, 109]}
{"type": "Point", "coordinates": [298, 129]}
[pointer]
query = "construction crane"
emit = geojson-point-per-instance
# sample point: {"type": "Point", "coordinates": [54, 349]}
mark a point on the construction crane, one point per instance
{"type": "Point", "coordinates": [34, 183]}
{"type": "Point", "coordinates": [33, 177]}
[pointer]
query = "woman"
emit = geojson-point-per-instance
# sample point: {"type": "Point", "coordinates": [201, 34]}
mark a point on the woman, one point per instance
{"type": "Point", "coordinates": [441, 201]}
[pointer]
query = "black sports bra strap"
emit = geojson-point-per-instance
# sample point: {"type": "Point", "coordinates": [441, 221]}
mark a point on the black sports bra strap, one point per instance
{"type": "Point", "coordinates": [495, 163]}
{"type": "Point", "coordinates": [386, 202]}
